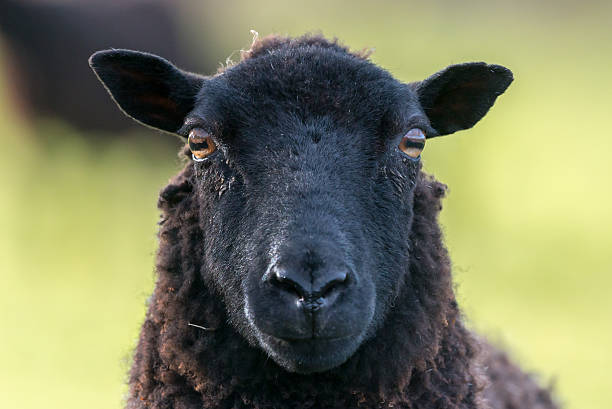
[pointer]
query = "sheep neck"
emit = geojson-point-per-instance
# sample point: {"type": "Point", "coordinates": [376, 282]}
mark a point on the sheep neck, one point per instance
{"type": "Point", "coordinates": [421, 357]}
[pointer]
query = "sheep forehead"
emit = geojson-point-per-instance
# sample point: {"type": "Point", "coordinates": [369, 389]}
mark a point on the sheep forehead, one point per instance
{"type": "Point", "coordinates": [303, 68]}
{"type": "Point", "coordinates": [312, 81]}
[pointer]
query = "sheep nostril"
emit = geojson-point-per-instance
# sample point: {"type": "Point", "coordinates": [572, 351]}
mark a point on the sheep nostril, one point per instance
{"type": "Point", "coordinates": [280, 279]}
{"type": "Point", "coordinates": [335, 282]}
{"type": "Point", "coordinates": [304, 287]}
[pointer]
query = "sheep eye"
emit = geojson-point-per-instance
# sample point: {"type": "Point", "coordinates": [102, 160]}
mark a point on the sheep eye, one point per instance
{"type": "Point", "coordinates": [413, 142]}
{"type": "Point", "coordinates": [200, 144]}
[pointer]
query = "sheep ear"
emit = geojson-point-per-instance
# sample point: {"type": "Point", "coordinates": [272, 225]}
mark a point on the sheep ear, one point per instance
{"type": "Point", "coordinates": [146, 87]}
{"type": "Point", "coordinates": [460, 95]}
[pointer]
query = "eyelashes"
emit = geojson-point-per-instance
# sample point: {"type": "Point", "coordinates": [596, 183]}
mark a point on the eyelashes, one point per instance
{"type": "Point", "coordinates": [413, 143]}
{"type": "Point", "coordinates": [201, 144]}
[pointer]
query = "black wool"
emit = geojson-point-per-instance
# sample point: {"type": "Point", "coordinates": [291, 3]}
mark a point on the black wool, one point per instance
{"type": "Point", "coordinates": [301, 263]}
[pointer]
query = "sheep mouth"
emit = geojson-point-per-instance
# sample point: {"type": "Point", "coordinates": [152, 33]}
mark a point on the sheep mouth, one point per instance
{"type": "Point", "coordinates": [310, 355]}
{"type": "Point", "coordinates": [310, 340]}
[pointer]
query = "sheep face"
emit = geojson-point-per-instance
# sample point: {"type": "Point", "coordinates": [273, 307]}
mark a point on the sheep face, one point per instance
{"type": "Point", "coordinates": [306, 159]}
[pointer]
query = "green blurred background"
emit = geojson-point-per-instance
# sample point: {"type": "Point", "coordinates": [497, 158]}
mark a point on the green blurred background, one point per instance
{"type": "Point", "coordinates": [528, 219]}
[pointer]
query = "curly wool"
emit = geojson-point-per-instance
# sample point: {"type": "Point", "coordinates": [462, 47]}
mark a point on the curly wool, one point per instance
{"type": "Point", "coordinates": [181, 366]}
{"type": "Point", "coordinates": [422, 357]}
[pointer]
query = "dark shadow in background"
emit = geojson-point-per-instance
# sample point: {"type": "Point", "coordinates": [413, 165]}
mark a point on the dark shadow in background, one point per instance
{"type": "Point", "coordinates": [49, 43]}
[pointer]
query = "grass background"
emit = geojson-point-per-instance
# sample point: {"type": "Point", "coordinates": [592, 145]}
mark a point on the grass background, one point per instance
{"type": "Point", "coordinates": [528, 219]}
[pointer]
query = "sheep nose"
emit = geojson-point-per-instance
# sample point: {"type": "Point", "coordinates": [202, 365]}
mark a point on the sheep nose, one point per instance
{"type": "Point", "coordinates": [313, 290]}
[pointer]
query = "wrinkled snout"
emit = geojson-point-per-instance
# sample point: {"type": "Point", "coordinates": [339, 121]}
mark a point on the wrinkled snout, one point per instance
{"type": "Point", "coordinates": [311, 306]}
{"type": "Point", "coordinates": [312, 291]}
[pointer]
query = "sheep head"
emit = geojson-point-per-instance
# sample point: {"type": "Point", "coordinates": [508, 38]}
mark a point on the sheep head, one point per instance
{"type": "Point", "coordinates": [306, 159]}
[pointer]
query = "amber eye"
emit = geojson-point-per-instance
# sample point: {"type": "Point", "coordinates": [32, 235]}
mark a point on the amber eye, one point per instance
{"type": "Point", "coordinates": [413, 142]}
{"type": "Point", "coordinates": [201, 144]}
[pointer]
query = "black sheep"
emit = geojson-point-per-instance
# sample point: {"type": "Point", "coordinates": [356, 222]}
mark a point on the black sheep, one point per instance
{"type": "Point", "coordinates": [301, 264]}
